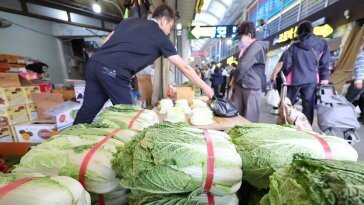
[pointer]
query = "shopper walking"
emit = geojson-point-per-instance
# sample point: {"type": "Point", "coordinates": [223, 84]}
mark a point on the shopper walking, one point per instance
{"type": "Point", "coordinates": [277, 79]}
{"type": "Point", "coordinates": [134, 44]}
{"type": "Point", "coordinates": [210, 70]}
{"type": "Point", "coordinates": [249, 79]}
{"type": "Point", "coordinates": [355, 92]}
{"type": "Point", "coordinates": [217, 81]}
{"type": "Point", "coordinates": [306, 64]}
{"type": "Point", "coordinates": [225, 75]}
{"type": "Point", "coordinates": [230, 79]}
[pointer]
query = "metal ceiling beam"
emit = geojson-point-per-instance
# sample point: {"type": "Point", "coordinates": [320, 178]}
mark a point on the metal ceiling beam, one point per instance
{"type": "Point", "coordinates": [66, 8]}
{"type": "Point", "coordinates": [70, 6]}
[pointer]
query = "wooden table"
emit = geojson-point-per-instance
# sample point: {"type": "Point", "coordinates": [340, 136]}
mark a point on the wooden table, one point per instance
{"type": "Point", "coordinates": [219, 123]}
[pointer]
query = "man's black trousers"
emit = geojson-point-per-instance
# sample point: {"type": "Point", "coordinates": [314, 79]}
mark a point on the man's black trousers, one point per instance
{"type": "Point", "coordinates": [102, 83]}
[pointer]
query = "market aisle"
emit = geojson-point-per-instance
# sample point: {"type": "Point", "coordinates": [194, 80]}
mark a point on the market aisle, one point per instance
{"type": "Point", "coordinates": [266, 117]}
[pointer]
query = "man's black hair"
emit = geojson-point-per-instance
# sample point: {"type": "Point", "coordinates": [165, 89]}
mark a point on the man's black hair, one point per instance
{"type": "Point", "coordinates": [304, 27]}
{"type": "Point", "coordinates": [164, 10]}
{"type": "Point", "coordinates": [246, 27]}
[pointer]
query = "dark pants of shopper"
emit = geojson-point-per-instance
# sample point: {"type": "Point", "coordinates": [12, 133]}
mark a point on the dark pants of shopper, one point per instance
{"type": "Point", "coordinates": [278, 86]}
{"type": "Point", "coordinates": [307, 93]}
{"type": "Point", "coordinates": [223, 87]}
{"type": "Point", "coordinates": [102, 83]}
{"type": "Point", "coordinates": [217, 90]}
{"type": "Point", "coordinates": [356, 96]}
{"type": "Point", "coordinates": [247, 102]}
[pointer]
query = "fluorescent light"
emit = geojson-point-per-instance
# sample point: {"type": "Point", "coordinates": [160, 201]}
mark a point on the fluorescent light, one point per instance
{"type": "Point", "coordinates": [229, 42]}
{"type": "Point", "coordinates": [179, 26]}
{"type": "Point", "coordinates": [96, 7]}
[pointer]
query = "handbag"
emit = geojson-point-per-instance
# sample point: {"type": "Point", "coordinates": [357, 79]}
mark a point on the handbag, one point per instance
{"type": "Point", "coordinates": [223, 108]}
{"type": "Point", "coordinates": [288, 114]}
{"type": "Point", "coordinates": [273, 98]}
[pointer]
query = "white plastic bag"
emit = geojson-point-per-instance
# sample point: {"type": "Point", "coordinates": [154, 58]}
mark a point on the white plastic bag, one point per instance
{"type": "Point", "coordinates": [273, 98]}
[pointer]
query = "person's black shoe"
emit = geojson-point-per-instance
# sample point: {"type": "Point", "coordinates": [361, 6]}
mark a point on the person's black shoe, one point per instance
{"type": "Point", "coordinates": [361, 120]}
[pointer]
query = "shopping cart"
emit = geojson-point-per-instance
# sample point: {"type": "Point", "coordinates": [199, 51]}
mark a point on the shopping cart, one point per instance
{"type": "Point", "coordinates": [336, 114]}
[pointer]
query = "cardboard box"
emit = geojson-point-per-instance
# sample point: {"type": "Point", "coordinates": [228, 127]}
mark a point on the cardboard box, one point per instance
{"type": "Point", "coordinates": [34, 132]}
{"type": "Point", "coordinates": [184, 92]}
{"type": "Point", "coordinates": [29, 75]}
{"type": "Point", "coordinates": [8, 58]}
{"type": "Point", "coordinates": [28, 90]}
{"type": "Point", "coordinates": [9, 80]}
{"type": "Point", "coordinates": [44, 85]}
{"type": "Point", "coordinates": [14, 114]}
{"type": "Point", "coordinates": [11, 96]}
{"type": "Point", "coordinates": [46, 101]}
{"type": "Point", "coordinates": [146, 88]}
{"type": "Point", "coordinates": [67, 94]}
{"type": "Point", "coordinates": [79, 93]}
{"type": "Point", "coordinates": [17, 69]}
{"type": "Point", "coordinates": [32, 111]}
{"type": "Point", "coordinates": [13, 67]}
{"type": "Point", "coordinates": [64, 114]}
{"type": "Point", "coordinates": [5, 134]}
{"type": "Point", "coordinates": [4, 121]}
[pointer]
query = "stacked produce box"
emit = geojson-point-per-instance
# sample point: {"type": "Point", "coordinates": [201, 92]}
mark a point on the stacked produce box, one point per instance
{"type": "Point", "coordinates": [16, 107]}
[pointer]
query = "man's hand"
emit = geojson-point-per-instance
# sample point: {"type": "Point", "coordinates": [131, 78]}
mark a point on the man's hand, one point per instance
{"type": "Point", "coordinates": [324, 82]}
{"type": "Point", "coordinates": [358, 84]}
{"type": "Point", "coordinates": [273, 78]}
{"type": "Point", "coordinates": [208, 91]}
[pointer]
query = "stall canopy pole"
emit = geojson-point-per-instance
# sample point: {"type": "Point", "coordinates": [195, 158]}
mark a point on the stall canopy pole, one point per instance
{"type": "Point", "coordinates": [345, 65]}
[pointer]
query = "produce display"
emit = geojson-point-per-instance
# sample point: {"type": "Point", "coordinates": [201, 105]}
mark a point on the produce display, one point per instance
{"type": "Point", "coordinates": [170, 159]}
{"type": "Point", "coordinates": [265, 148]}
{"type": "Point", "coordinates": [117, 197]}
{"type": "Point", "coordinates": [35, 189]}
{"type": "Point", "coordinates": [164, 105]}
{"type": "Point", "coordinates": [126, 116]}
{"type": "Point", "coordinates": [123, 135]}
{"type": "Point", "coordinates": [132, 159]}
{"type": "Point", "coordinates": [175, 114]}
{"type": "Point", "coordinates": [197, 103]}
{"type": "Point", "coordinates": [310, 181]}
{"type": "Point", "coordinates": [63, 155]}
{"type": "Point", "coordinates": [201, 116]}
{"type": "Point", "coordinates": [184, 105]}
{"type": "Point", "coordinates": [185, 200]}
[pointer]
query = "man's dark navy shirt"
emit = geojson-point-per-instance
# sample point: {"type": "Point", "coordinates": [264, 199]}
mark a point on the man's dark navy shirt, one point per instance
{"type": "Point", "coordinates": [135, 44]}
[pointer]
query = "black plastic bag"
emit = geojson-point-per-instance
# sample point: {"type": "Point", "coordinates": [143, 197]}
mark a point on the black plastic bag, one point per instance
{"type": "Point", "coordinates": [224, 108]}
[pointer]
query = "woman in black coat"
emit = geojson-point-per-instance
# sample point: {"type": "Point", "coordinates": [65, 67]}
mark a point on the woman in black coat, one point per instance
{"type": "Point", "coordinates": [217, 80]}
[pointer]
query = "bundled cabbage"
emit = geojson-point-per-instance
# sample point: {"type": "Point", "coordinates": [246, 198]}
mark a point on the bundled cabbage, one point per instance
{"type": "Point", "coordinates": [172, 159]}
{"type": "Point", "coordinates": [197, 103]}
{"type": "Point", "coordinates": [310, 181]}
{"type": "Point", "coordinates": [164, 106]}
{"type": "Point", "coordinates": [43, 191]}
{"type": "Point", "coordinates": [184, 105]}
{"type": "Point", "coordinates": [202, 116]}
{"type": "Point", "coordinates": [123, 135]}
{"type": "Point", "coordinates": [63, 155]}
{"type": "Point", "coordinates": [175, 114]}
{"type": "Point", "coordinates": [185, 200]}
{"type": "Point", "coordinates": [265, 148]}
{"type": "Point", "coordinates": [117, 197]}
{"type": "Point", "coordinates": [120, 116]}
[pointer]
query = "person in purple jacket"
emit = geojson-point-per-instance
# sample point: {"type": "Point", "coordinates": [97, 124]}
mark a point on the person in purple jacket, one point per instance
{"type": "Point", "coordinates": [307, 62]}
